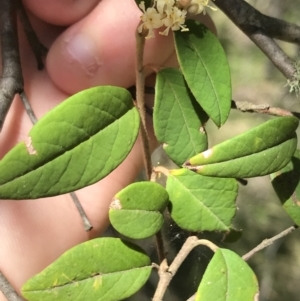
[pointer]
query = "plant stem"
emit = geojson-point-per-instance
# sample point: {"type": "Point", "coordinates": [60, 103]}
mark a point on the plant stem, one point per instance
{"type": "Point", "coordinates": [28, 107]}
{"type": "Point", "coordinates": [140, 100]}
{"type": "Point", "coordinates": [261, 29]}
{"type": "Point", "coordinates": [11, 81]}
{"type": "Point", "coordinates": [160, 247]}
{"type": "Point", "coordinates": [38, 49]}
{"type": "Point", "coordinates": [161, 169]}
{"type": "Point", "coordinates": [86, 222]}
{"type": "Point", "coordinates": [245, 106]}
{"type": "Point", "coordinates": [8, 291]}
{"type": "Point", "coordinates": [267, 242]}
{"type": "Point", "coordinates": [167, 273]}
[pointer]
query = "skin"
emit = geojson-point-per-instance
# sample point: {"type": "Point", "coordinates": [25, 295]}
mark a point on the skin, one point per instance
{"type": "Point", "coordinates": [36, 232]}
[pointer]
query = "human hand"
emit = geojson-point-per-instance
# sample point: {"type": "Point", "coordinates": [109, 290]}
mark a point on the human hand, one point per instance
{"type": "Point", "coordinates": [96, 48]}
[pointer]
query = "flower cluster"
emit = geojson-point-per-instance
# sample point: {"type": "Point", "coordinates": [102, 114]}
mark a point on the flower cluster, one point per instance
{"type": "Point", "coordinates": [169, 13]}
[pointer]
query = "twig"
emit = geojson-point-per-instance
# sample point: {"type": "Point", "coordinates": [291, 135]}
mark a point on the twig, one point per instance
{"type": "Point", "coordinates": [8, 291]}
{"type": "Point", "coordinates": [38, 49]}
{"type": "Point", "coordinates": [167, 273]}
{"type": "Point", "coordinates": [28, 107]}
{"type": "Point", "coordinates": [251, 20]}
{"type": "Point", "coordinates": [267, 242]}
{"type": "Point", "coordinates": [249, 107]}
{"type": "Point", "coordinates": [86, 222]}
{"type": "Point", "coordinates": [258, 28]}
{"type": "Point", "coordinates": [161, 169]}
{"type": "Point", "coordinates": [160, 247]}
{"type": "Point", "coordinates": [140, 86]}
{"type": "Point", "coordinates": [11, 81]}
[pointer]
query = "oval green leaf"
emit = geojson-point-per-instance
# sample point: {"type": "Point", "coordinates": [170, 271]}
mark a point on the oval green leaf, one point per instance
{"type": "Point", "coordinates": [286, 183]}
{"type": "Point", "coordinates": [205, 69]}
{"type": "Point", "coordinates": [136, 211]}
{"type": "Point", "coordinates": [260, 151]}
{"type": "Point", "coordinates": [228, 278]}
{"type": "Point", "coordinates": [76, 144]}
{"type": "Point", "coordinates": [199, 203]}
{"type": "Point", "coordinates": [103, 269]}
{"type": "Point", "coordinates": [178, 119]}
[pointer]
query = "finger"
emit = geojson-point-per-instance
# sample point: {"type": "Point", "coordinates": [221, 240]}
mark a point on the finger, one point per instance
{"type": "Point", "coordinates": [60, 12]}
{"type": "Point", "coordinates": [34, 233]}
{"type": "Point", "coordinates": [100, 49]}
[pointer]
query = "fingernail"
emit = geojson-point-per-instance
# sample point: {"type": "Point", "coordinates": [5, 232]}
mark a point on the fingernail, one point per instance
{"type": "Point", "coordinates": [82, 50]}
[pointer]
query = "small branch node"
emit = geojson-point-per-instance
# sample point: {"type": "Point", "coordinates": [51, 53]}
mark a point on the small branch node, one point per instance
{"type": "Point", "coordinates": [86, 222]}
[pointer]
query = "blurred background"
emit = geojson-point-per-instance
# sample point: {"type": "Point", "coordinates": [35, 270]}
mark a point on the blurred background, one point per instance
{"type": "Point", "coordinates": [260, 215]}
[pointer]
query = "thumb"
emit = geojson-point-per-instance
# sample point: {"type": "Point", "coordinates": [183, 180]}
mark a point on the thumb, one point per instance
{"type": "Point", "coordinates": [100, 49]}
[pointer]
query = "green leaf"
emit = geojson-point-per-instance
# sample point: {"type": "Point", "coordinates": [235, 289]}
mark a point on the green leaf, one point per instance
{"type": "Point", "coordinates": [228, 278]}
{"type": "Point", "coordinates": [260, 151]}
{"type": "Point", "coordinates": [286, 183]}
{"type": "Point", "coordinates": [205, 68]}
{"type": "Point", "coordinates": [76, 144]}
{"type": "Point", "coordinates": [103, 269]}
{"type": "Point", "coordinates": [136, 211]}
{"type": "Point", "coordinates": [178, 118]}
{"type": "Point", "coordinates": [201, 203]}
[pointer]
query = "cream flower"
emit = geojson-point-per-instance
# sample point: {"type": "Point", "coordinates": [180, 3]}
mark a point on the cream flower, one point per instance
{"type": "Point", "coordinates": [175, 19]}
{"type": "Point", "coordinates": [198, 6]}
{"type": "Point", "coordinates": [151, 19]}
{"type": "Point", "coordinates": [169, 13]}
{"type": "Point", "coordinates": [163, 5]}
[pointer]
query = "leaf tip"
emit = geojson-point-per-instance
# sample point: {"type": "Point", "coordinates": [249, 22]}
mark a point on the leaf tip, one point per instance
{"type": "Point", "coordinates": [31, 150]}
{"type": "Point", "coordinates": [115, 204]}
